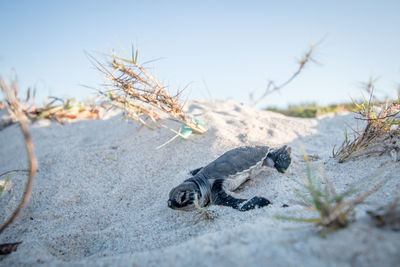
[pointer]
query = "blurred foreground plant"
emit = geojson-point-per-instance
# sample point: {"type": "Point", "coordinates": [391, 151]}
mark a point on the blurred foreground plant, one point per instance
{"type": "Point", "coordinates": [133, 89]}
{"type": "Point", "coordinates": [335, 210]}
{"type": "Point", "coordinates": [16, 111]}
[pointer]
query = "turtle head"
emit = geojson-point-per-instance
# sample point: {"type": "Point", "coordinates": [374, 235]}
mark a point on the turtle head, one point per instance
{"type": "Point", "coordinates": [183, 196]}
{"type": "Point", "coordinates": [281, 158]}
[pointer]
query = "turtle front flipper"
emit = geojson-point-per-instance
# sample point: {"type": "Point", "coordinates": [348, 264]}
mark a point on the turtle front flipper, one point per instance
{"type": "Point", "coordinates": [220, 197]}
{"type": "Point", "coordinates": [240, 204]}
{"type": "Point", "coordinates": [195, 171]}
{"type": "Point", "coordinates": [223, 199]}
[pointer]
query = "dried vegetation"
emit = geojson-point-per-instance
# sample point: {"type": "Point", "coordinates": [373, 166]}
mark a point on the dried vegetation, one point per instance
{"type": "Point", "coordinates": [56, 109]}
{"type": "Point", "coordinates": [381, 133]}
{"type": "Point", "coordinates": [132, 88]}
{"type": "Point", "coordinates": [68, 109]}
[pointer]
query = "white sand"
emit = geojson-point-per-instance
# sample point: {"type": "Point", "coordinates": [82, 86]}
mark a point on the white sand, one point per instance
{"type": "Point", "coordinates": [100, 197]}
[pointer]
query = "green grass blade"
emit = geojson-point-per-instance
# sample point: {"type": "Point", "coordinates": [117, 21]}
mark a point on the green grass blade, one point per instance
{"type": "Point", "coordinates": [309, 220]}
{"type": "Point", "coordinates": [3, 187]}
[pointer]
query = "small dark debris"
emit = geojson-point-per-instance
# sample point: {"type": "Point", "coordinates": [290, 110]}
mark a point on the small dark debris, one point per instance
{"type": "Point", "coordinates": [242, 137]}
{"type": "Point", "coordinates": [114, 147]}
{"type": "Point", "coordinates": [31, 218]}
{"type": "Point", "coordinates": [314, 157]}
{"type": "Point", "coordinates": [285, 206]}
{"type": "Point", "coordinates": [8, 248]}
{"type": "Point", "coordinates": [387, 216]}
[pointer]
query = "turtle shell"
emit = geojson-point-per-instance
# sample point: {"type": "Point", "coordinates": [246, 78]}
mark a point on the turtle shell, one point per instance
{"type": "Point", "coordinates": [236, 162]}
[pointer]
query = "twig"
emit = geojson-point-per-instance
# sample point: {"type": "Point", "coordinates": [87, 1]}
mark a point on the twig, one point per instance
{"type": "Point", "coordinates": [273, 87]}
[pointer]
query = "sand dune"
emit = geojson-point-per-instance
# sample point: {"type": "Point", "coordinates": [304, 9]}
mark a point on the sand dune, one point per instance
{"type": "Point", "coordinates": [100, 196]}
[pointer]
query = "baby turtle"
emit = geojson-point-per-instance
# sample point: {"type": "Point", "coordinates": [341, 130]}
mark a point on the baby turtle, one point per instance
{"type": "Point", "coordinates": [211, 184]}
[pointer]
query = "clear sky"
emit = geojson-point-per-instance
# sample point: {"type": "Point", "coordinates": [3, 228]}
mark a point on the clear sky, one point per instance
{"type": "Point", "coordinates": [229, 47]}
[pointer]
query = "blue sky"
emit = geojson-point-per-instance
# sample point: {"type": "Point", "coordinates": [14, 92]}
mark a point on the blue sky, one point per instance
{"type": "Point", "coordinates": [230, 47]}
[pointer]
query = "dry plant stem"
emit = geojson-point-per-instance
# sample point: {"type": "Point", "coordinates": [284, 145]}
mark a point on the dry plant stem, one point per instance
{"type": "Point", "coordinates": [15, 110]}
{"type": "Point", "coordinates": [272, 87]}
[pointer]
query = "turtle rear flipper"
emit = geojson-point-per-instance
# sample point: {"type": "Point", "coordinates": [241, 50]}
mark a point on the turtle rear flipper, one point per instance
{"type": "Point", "coordinates": [281, 158]}
{"type": "Point", "coordinates": [255, 202]}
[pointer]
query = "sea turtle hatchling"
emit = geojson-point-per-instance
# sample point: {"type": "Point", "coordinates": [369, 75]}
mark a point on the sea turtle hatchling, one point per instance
{"type": "Point", "coordinates": [211, 184]}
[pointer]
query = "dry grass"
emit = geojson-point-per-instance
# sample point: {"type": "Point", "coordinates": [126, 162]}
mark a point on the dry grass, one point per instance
{"type": "Point", "coordinates": [335, 210]}
{"type": "Point", "coordinates": [381, 133]}
{"type": "Point", "coordinates": [17, 113]}
{"type": "Point", "coordinates": [132, 88]}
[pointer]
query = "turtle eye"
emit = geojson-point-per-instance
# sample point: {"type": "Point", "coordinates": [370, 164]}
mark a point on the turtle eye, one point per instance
{"type": "Point", "coordinates": [181, 197]}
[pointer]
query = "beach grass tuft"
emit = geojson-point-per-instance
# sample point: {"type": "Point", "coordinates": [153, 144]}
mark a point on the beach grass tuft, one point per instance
{"type": "Point", "coordinates": [382, 120]}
